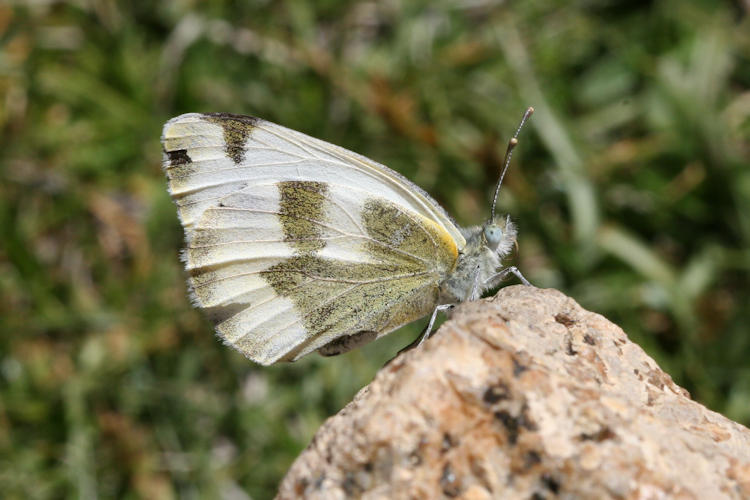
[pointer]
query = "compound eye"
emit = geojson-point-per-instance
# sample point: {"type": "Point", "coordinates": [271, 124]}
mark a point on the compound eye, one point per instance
{"type": "Point", "coordinates": [493, 235]}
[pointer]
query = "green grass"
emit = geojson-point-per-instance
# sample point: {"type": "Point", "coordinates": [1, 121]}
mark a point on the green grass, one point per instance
{"type": "Point", "coordinates": [631, 188]}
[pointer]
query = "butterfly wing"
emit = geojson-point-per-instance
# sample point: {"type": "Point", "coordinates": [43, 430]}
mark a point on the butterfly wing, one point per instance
{"type": "Point", "coordinates": [293, 243]}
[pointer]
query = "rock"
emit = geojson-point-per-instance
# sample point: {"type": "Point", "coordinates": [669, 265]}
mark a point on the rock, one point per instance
{"type": "Point", "coordinates": [524, 395]}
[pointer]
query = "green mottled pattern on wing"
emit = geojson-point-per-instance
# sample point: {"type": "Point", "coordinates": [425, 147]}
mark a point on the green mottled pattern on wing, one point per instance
{"type": "Point", "coordinates": [407, 256]}
{"type": "Point", "coordinates": [302, 205]}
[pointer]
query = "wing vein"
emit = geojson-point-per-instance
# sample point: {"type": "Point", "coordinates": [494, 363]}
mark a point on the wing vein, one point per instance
{"type": "Point", "coordinates": [277, 240]}
{"type": "Point", "coordinates": [271, 147]}
{"type": "Point", "coordinates": [355, 282]}
{"type": "Point", "coordinates": [266, 301]}
{"type": "Point", "coordinates": [329, 301]}
{"type": "Point", "coordinates": [288, 138]}
{"type": "Point", "coordinates": [332, 228]}
{"type": "Point", "coordinates": [317, 278]}
{"type": "Point", "coordinates": [391, 303]}
{"type": "Point", "coordinates": [348, 214]}
{"type": "Point", "coordinates": [307, 315]}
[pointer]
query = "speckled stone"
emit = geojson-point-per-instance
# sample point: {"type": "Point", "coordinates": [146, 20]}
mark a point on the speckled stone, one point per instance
{"type": "Point", "coordinates": [525, 395]}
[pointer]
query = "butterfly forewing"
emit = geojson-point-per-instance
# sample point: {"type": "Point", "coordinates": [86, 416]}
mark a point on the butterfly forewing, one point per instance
{"type": "Point", "coordinates": [293, 243]}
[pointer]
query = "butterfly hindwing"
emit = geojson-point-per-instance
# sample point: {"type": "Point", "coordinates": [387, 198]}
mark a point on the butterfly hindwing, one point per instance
{"type": "Point", "coordinates": [293, 243]}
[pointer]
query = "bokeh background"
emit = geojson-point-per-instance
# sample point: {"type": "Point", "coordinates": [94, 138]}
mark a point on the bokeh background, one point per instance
{"type": "Point", "coordinates": [631, 187]}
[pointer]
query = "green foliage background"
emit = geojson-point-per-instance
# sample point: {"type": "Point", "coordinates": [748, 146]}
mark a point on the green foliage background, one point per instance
{"type": "Point", "coordinates": [631, 188]}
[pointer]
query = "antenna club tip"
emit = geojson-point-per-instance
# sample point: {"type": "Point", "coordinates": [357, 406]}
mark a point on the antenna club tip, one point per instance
{"type": "Point", "coordinates": [530, 110]}
{"type": "Point", "coordinates": [513, 141]}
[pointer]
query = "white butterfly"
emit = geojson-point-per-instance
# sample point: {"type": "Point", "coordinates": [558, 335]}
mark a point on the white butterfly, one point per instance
{"type": "Point", "coordinates": [296, 245]}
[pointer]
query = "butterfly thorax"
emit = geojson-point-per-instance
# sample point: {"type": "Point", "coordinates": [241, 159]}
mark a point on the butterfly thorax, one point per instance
{"type": "Point", "coordinates": [478, 261]}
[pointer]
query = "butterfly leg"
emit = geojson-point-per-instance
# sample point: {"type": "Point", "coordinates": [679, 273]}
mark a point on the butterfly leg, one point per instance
{"type": "Point", "coordinates": [505, 272]}
{"type": "Point", "coordinates": [428, 330]}
{"type": "Point", "coordinates": [517, 273]}
{"type": "Point", "coordinates": [475, 294]}
{"type": "Point", "coordinates": [425, 333]}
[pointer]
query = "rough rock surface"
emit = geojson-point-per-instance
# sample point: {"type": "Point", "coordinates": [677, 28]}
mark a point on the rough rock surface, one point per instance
{"type": "Point", "coordinates": [525, 395]}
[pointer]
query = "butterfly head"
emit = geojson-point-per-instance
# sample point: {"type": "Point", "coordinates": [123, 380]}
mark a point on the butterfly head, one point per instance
{"type": "Point", "coordinates": [499, 235]}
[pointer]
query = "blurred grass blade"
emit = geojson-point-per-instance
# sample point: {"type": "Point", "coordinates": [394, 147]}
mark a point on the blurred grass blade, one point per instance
{"type": "Point", "coordinates": [633, 252]}
{"type": "Point", "coordinates": [700, 272]}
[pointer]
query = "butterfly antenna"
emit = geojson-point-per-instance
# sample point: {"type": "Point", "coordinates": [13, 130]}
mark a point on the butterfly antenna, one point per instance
{"type": "Point", "coordinates": [508, 154]}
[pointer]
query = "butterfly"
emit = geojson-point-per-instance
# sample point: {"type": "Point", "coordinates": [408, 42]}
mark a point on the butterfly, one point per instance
{"type": "Point", "coordinates": [295, 245]}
